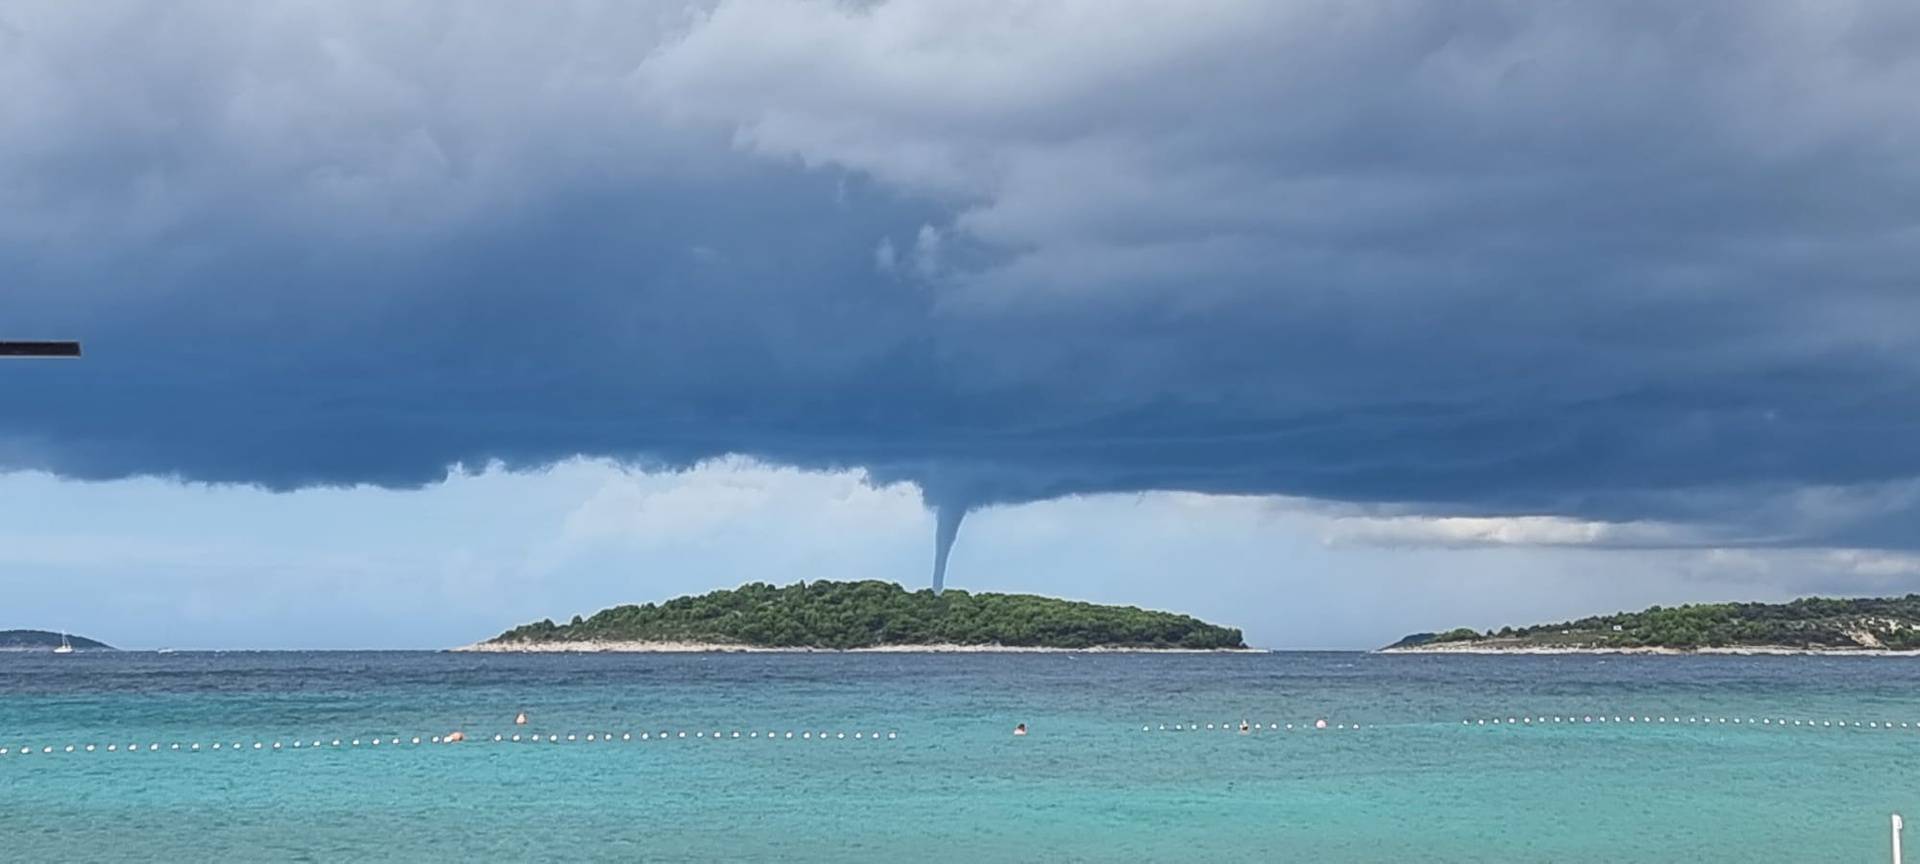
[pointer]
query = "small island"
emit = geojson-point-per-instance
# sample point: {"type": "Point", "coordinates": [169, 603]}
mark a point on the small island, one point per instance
{"type": "Point", "coordinates": [868, 616]}
{"type": "Point", "coordinates": [1812, 625]}
{"type": "Point", "coordinates": [44, 640]}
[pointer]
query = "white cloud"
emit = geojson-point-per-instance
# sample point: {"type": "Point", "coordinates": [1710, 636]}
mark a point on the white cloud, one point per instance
{"type": "Point", "coordinates": [1456, 531]}
{"type": "Point", "coordinates": [735, 496]}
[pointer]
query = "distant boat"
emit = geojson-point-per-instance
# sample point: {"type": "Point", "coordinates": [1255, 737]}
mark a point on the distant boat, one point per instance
{"type": "Point", "coordinates": [65, 646]}
{"type": "Point", "coordinates": [164, 651]}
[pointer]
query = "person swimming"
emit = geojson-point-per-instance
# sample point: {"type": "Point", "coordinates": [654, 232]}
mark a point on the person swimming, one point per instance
{"type": "Point", "coordinates": [1244, 728]}
{"type": "Point", "coordinates": [1020, 729]}
{"type": "Point", "coordinates": [455, 737]}
{"type": "Point", "coordinates": [520, 719]}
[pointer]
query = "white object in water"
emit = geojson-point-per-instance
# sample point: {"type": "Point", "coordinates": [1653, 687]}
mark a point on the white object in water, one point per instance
{"type": "Point", "coordinates": [65, 646]}
{"type": "Point", "coordinates": [1896, 838]}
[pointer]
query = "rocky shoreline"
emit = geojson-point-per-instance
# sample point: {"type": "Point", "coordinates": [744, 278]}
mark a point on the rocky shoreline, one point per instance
{"type": "Point", "coordinates": [592, 647]}
{"type": "Point", "coordinates": [1738, 651]}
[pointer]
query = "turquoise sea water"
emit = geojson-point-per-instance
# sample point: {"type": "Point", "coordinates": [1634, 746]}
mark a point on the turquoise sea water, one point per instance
{"type": "Point", "coordinates": [1087, 785]}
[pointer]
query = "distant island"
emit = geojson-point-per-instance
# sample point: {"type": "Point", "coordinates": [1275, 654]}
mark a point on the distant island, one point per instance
{"type": "Point", "coordinates": [867, 616]}
{"type": "Point", "coordinates": [42, 640]}
{"type": "Point", "coordinates": [1810, 625]}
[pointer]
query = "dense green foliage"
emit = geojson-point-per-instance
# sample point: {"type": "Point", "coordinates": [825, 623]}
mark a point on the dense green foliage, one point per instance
{"type": "Point", "coordinates": [868, 614]}
{"type": "Point", "coordinates": [1813, 622]}
{"type": "Point", "coordinates": [35, 640]}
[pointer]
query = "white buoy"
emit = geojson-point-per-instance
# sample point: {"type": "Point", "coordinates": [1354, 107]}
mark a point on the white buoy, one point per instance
{"type": "Point", "coordinates": [789, 734]}
{"type": "Point", "coordinates": [89, 748]}
{"type": "Point", "coordinates": [628, 736]}
{"type": "Point", "coordinates": [890, 736]}
{"type": "Point", "coordinates": [196, 746]}
{"type": "Point", "coordinates": [114, 748]}
{"type": "Point", "coordinates": [416, 739]}
{"type": "Point", "coordinates": [69, 748]}
{"type": "Point", "coordinates": [570, 738]}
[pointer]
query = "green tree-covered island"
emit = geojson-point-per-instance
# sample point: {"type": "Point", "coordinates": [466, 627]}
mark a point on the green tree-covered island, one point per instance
{"type": "Point", "coordinates": [1812, 624]}
{"type": "Point", "coordinates": [868, 615]}
{"type": "Point", "coordinates": [46, 640]}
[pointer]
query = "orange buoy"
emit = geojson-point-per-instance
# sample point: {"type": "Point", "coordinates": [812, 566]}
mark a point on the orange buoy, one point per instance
{"type": "Point", "coordinates": [455, 736]}
{"type": "Point", "coordinates": [520, 719]}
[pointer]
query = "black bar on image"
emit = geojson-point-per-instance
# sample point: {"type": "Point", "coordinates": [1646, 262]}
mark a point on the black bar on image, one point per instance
{"type": "Point", "coordinates": [39, 349]}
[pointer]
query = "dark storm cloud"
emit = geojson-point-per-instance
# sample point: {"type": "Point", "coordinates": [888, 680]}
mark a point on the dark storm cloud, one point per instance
{"type": "Point", "coordinates": [1619, 261]}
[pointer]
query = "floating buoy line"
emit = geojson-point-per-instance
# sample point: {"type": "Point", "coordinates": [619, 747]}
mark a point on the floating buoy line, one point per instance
{"type": "Point", "coordinates": [1510, 721]}
{"type": "Point", "coordinates": [1714, 720]}
{"type": "Point", "coordinates": [1531, 720]}
{"type": "Point", "coordinates": [411, 741]}
{"type": "Point", "coordinates": [1250, 728]}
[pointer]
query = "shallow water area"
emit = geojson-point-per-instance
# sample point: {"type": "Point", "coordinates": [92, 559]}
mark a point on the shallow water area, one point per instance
{"type": "Point", "coordinates": [1097, 780]}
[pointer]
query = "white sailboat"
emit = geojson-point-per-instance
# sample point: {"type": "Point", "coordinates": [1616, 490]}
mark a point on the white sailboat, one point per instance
{"type": "Point", "coordinates": [65, 646]}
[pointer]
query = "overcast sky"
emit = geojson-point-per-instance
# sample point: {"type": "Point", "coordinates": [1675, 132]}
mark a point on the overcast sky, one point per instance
{"type": "Point", "coordinates": [1330, 320]}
